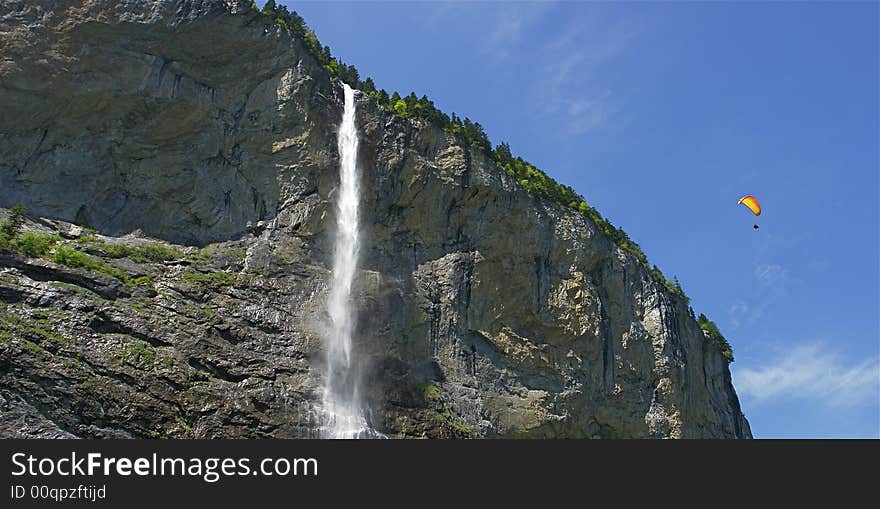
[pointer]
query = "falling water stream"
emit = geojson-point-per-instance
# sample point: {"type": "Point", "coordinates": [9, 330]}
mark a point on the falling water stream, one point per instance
{"type": "Point", "coordinates": [345, 413]}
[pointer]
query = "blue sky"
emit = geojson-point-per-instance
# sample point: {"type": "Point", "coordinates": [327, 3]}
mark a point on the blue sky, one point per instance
{"type": "Point", "coordinates": [662, 115]}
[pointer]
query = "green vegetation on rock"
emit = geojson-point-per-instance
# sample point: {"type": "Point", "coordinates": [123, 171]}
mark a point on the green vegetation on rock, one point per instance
{"type": "Point", "coordinates": [673, 286]}
{"type": "Point", "coordinates": [443, 414]}
{"type": "Point", "coordinates": [430, 391]}
{"type": "Point", "coordinates": [10, 228]}
{"type": "Point", "coordinates": [451, 420]}
{"type": "Point", "coordinates": [50, 247]}
{"type": "Point", "coordinates": [34, 331]}
{"type": "Point", "coordinates": [715, 335]}
{"type": "Point", "coordinates": [294, 23]}
{"type": "Point", "coordinates": [70, 257]}
{"type": "Point", "coordinates": [146, 253]}
{"type": "Point", "coordinates": [211, 280]}
{"type": "Point", "coordinates": [35, 245]}
{"type": "Point", "coordinates": [540, 185]}
{"type": "Point", "coordinates": [142, 356]}
{"type": "Point", "coordinates": [30, 243]}
{"type": "Point", "coordinates": [41, 245]}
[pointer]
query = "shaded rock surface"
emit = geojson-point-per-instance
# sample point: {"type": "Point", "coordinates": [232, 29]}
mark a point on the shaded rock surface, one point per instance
{"type": "Point", "coordinates": [212, 133]}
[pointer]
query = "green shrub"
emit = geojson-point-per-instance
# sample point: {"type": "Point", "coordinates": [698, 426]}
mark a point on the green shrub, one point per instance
{"type": "Point", "coordinates": [541, 185]}
{"type": "Point", "coordinates": [30, 244]}
{"type": "Point", "coordinates": [673, 286]}
{"type": "Point", "coordinates": [41, 245]}
{"type": "Point", "coordinates": [16, 216]}
{"type": "Point", "coordinates": [156, 252]}
{"type": "Point", "coordinates": [152, 252]}
{"type": "Point", "coordinates": [249, 5]}
{"type": "Point", "coordinates": [451, 420]}
{"type": "Point", "coordinates": [70, 257]}
{"type": "Point", "coordinates": [6, 242]}
{"type": "Point", "coordinates": [204, 255]}
{"type": "Point", "coordinates": [430, 391]}
{"type": "Point", "coordinates": [90, 238]}
{"type": "Point", "coordinates": [35, 331]}
{"type": "Point", "coordinates": [7, 230]}
{"type": "Point", "coordinates": [716, 336]}
{"type": "Point", "coordinates": [142, 280]}
{"type": "Point", "coordinates": [36, 244]}
{"type": "Point", "coordinates": [10, 228]}
{"type": "Point", "coordinates": [117, 250]}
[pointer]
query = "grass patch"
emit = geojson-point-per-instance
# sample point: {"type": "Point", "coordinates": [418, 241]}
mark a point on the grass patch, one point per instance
{"type": "Point", "coordinates": [41, 245]}
{"type": "Point", "coordinates": [224, 256]}
{"type": "Point", "coordinates": [36, 245]}
{"type": "Point", "coordinates": [146, 253]}
{"type": "Point", "coordinates": [142, 280]}
{"type": "Point", "coordinates": [213, 280]}
{"type": "Point", "coordinates": [34, 332]}
{"type": "Point", "coordinates": [140, 304]}
{"type": "Point", "coordinates": [30, 346]}
{"type": "Point", "coordinates": [71, 364]}
{"type": "Point", "coordinates": [201, 393]}
{"type": "Point", "coordinates": [48, 246]}
{"type": "Point", "coordinates": [452, 421]}
{"type": "Point", "coordinates": [444, 415]}
{"type": "Point", "coordinates": [142, 356]}
{"type": "Point", "coordinates": [208, 312]}
{"type": "Point", "coordinates": [30, 244]}
{"type": "Point", "coordinates": [430, 391]}
{"type": "Point", "coordinates": [90, 238]}
{"type": "Point", "coordinates": [203, 255]}
{"type": "Point", "coordinates": [70, 257]}
{"type": "Point", "coordinates": [79, 290]}
{"type": "Point", "coordinates": [198, 312]}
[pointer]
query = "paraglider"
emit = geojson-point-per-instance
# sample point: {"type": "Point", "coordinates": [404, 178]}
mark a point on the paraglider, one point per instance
{"type": "Point", "coordinates": [752, 204]}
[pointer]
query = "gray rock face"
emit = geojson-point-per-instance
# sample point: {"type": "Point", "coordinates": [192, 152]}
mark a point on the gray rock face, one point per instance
{"type": "Point", "coordinates": [483, 311]}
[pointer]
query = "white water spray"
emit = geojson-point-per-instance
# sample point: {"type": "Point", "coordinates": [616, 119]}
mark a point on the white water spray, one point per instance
{"type": "Point", "coordinates": [344, 410]}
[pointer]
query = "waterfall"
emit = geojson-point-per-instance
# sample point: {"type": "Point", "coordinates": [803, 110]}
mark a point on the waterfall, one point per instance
{"type": "Point", "coordinates": [344, 411]}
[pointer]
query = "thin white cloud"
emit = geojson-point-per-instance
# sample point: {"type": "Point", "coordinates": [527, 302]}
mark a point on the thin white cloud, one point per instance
{"type": "Point", "coordinates": [498, 31]}
{"type": "Point", "coordinates": [566, 68]}
{"type": "Point", "coordinates": [811, 372]}
{"type": "Point", "coordinates": [572, 70]}
{"type": "Point", "coordinates": [769, 274]}
{"type": "Point", "coordinates": [508, 27]}
{"type": "Point", "coordinates": [737, 311]}
{"type": "Point", "coordinates": [773, 284]}
{"type": "Point", "coordinates": [586, 113]}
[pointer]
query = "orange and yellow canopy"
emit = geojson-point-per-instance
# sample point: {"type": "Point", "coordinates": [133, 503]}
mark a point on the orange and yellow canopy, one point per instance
{"type": "Point", "coordinates": [752, 203]}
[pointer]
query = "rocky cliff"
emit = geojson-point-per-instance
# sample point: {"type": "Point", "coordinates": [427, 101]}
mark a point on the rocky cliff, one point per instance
{"type": "Point", "coordinates": [195, 142]}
